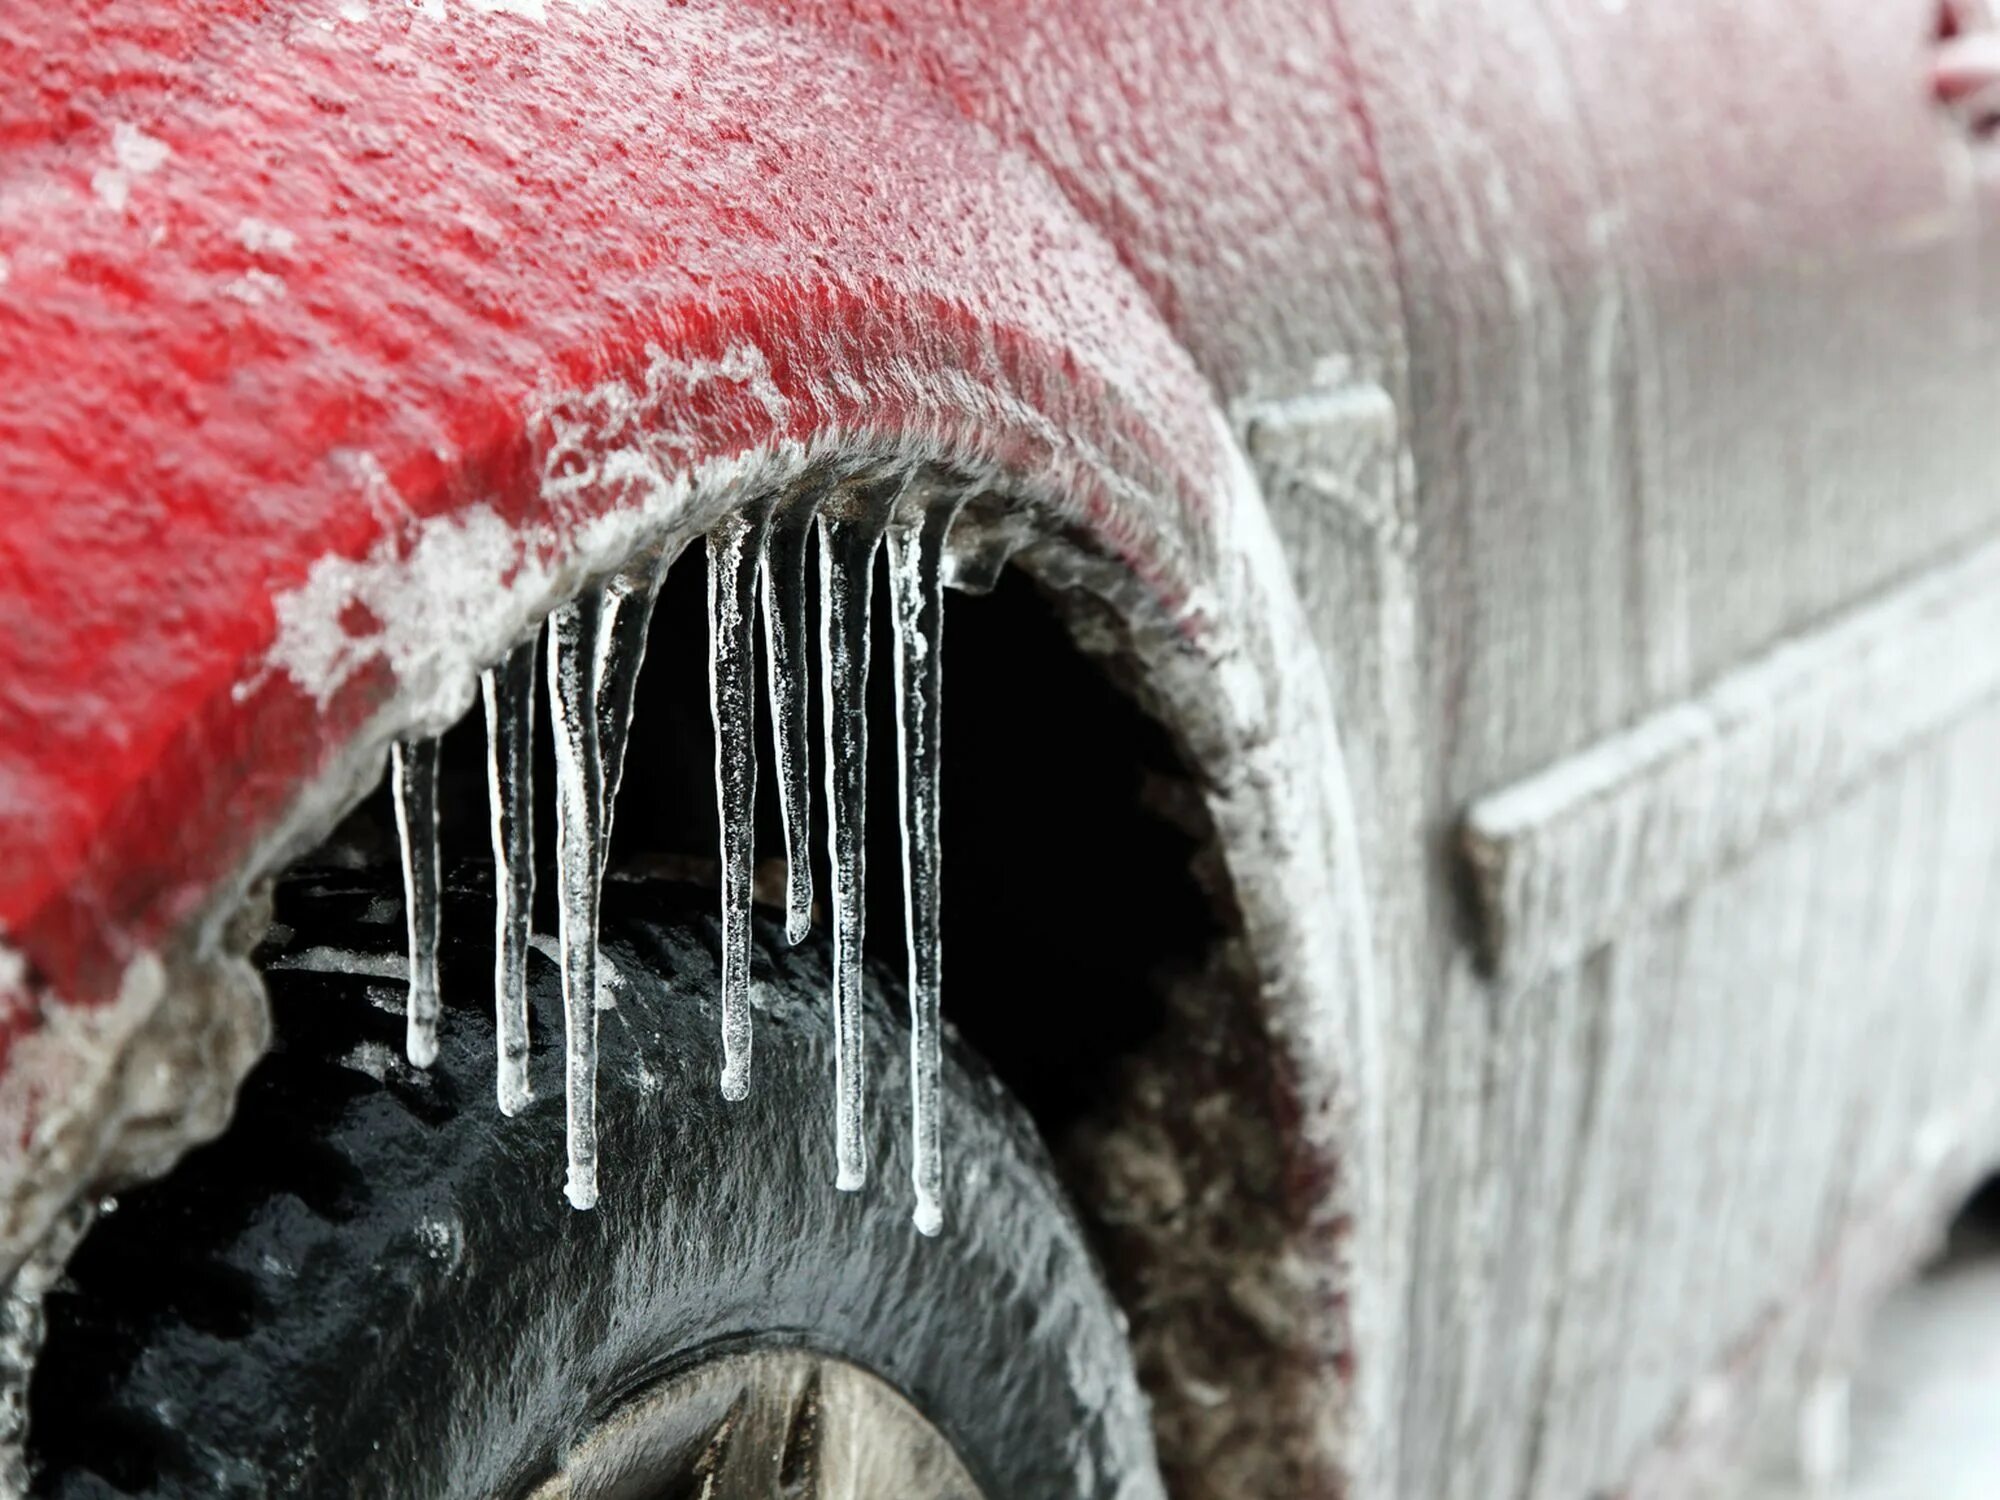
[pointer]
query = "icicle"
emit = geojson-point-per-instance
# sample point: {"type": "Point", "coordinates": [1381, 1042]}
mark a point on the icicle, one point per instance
{"type": "Point", "coordinates": [597, 645]}
{"type": "Point", "coordinates": [626, 615]}
{"type": "Point", "coordinates": [734, 548]}
{"type": "Point", "coordinates": [414, 782]}
{"type": "Point", "coordinates": [784, 580]}
{"type": "Point", "coordinates": [847, 541]}
{"type": "Point", "coordinates": [574, 707]}
{"type": "Point", "coordinates": [916, 591]}
{"type": "Point", "coordinates": [509, 694]}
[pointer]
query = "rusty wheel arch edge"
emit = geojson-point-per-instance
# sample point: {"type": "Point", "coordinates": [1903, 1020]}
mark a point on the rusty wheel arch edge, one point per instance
{"type": "Point", "coordinates": [385, 522]}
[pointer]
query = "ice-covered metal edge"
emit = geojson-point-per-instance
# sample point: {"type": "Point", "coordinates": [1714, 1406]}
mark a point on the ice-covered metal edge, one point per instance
{"type": "Point", "coordinates": [1563, 860]}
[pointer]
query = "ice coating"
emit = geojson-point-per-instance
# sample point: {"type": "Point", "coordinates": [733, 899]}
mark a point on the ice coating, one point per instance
{"type": "Point", "coordinates": [508, 691]}
{"type": "Point", "coordinates": [574, 706]}
{"type": "Point", "coordinates": [735, 548]}
{"type": "Point", "coordinates": [413, 781]}
{"type": "Point", "coordinates": [785, 663]}
{"type": "Point", "coordinates": [850, 530]}
{"type": "Point", "coordinates": [626, 614]}
{"type": "Point", "coordinates": [916, 593]}
{"type": "Point", "coordinates": [596, 647]}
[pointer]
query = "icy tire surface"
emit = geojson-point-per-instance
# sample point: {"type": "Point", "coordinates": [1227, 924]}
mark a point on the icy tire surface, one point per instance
{"type": "Point", "coordinates": [372, 1284]}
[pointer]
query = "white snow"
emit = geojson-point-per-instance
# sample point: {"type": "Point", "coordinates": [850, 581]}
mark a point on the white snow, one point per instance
{"type": "Point", "coordinates": [261, 238]}
{"type": "Point", "coordinates": [439, 598]}
{"type": "Point", "coordinates": [433, 628]}
{"type": "Point", "coordinates": [443, 1239]}
{"type": "Point", "coordinates": [372, 1058]}
{"type": "Point", "coordinates": [254, 288]}
{"type": "Point", "coordinates": [527, 10]}
{"type": "Point", "coordinates": [343, 961]}
{"type": "Point", "coordinates": [610, 978]}
{"type": "Point", "coordinates": [134, 154]}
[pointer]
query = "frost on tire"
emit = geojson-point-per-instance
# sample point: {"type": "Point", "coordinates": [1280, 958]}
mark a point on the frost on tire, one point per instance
{"type": "Point", "coordinates": [595, 647]}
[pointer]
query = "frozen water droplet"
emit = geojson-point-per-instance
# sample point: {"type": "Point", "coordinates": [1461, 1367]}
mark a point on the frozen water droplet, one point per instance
{"type": "Point", "coordinates": [916, 591]}
{"type": "Point", "coordinates": [734, 549]}
{"type": "Point", "coordinates": [508, 691]}
{"type": "Point", "coordinates": [574, 657]}
{"type": "Point", "coordinates": [413, 779]}
{"type": "Point", "coordinates": [784, 577]}
{"type": "Point", "coordinates": [850, 529]}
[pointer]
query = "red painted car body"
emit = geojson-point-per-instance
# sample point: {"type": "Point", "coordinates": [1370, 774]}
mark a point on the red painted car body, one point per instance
{"type": "Point", "coordinates": [340, 337]}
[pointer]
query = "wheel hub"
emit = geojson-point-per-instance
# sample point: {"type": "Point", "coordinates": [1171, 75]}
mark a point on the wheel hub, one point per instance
{"type": "Point", "coordinates": [767, 1424]}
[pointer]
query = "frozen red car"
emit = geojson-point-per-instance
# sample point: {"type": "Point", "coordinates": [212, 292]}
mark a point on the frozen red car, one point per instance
{"type": "Point", "coordinates": [1460, 800]}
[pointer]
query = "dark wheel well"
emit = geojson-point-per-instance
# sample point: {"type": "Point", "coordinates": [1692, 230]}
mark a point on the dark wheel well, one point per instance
{"type": "Point", "coordinates": [1090, 949]}
{"type": "Point", "coordinates": [1071, 826]}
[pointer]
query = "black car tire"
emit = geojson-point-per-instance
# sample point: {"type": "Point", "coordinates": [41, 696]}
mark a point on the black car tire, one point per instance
{"type": "Point", "coordinates": [371, 1285]}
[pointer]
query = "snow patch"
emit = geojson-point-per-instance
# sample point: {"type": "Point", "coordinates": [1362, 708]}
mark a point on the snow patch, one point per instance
{"type": "Point", "coordinates": [610, 978]}
{"type": "Point", "coordinates": [454, 600]}
{"type": "Point", "coordinates": [254, 287]}
{"type": "Point", "coordinates": [527, 10]}
{"type": "Point", "coordinates": [375, 1059]}
{"type": "Point", "coordinates": [134, 154]}
{"type": "Point", "coordinates": [343, 961]}
{"type": "Point", "coordinates": [443, 1240]}
{"type": "Point", "coordinates": [261, 238]}
{"type": "Point", "coordinates": [450, 594]}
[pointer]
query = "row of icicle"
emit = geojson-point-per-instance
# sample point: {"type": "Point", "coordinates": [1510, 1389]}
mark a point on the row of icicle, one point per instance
{"type": "Point", "coordinates": [597, 644]}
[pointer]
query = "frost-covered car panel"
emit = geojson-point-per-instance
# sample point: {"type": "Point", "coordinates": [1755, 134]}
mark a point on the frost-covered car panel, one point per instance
{"type": "Point", "coordinates": [1520, 370]}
